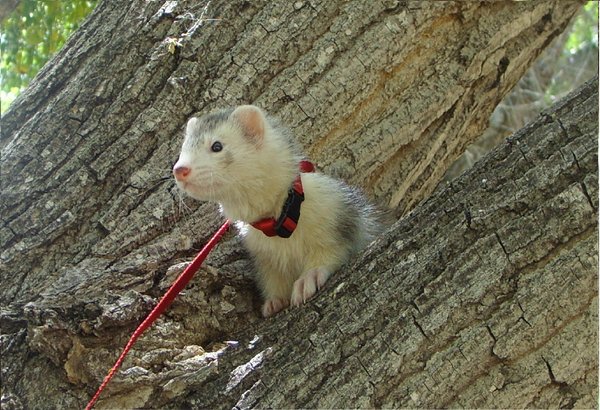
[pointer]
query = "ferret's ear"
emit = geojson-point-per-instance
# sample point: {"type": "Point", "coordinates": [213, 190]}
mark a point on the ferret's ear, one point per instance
{"type": "Point", "coordinates": [192, 126]}
{"type": "Point", "coordinates": [252, 121]}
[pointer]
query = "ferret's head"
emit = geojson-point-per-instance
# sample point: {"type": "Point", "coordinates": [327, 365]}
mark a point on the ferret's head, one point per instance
{"type": "Point", "coordinates": [230, 152]}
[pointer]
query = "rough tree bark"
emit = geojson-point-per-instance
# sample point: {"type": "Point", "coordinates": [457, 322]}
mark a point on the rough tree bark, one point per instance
{"type": "Point", "coordinates": [484, 296]}
{"type": "Point", "coordinates": [383, 94]}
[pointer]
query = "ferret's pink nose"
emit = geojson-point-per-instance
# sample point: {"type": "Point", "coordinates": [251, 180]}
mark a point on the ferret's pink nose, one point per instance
{"type": "Point", "coordinates": [181, 172]}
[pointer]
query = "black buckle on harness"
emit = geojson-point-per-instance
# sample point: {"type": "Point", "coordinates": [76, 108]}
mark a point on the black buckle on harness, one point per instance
{"type": "Point", "coordinates": [290, 214]}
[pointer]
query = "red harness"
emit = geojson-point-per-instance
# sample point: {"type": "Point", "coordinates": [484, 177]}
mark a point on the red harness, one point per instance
{"type": "Point", "coordinates": [285, 225]}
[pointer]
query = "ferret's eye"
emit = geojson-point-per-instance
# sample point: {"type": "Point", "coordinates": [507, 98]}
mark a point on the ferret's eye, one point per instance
{"type": "Point", "coordinates": [216, 147]}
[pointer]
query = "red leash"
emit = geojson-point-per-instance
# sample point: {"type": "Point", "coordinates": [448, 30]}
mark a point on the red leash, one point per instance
{"type": "Point", "coordinates": [164, 303]}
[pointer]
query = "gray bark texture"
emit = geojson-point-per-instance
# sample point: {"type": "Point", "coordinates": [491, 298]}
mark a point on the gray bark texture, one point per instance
{"type": "Point", "coordinates": [483, 295]}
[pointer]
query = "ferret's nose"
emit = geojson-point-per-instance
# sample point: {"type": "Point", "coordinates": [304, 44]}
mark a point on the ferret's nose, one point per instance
{"type": "Point", "coordinates": [181, 172]}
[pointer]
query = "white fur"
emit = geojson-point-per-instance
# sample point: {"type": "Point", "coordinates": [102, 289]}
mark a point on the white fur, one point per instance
{"type": "Point", "coordinates": [313, 245]}
{"type": "Point", "coordinates": [253, 185]}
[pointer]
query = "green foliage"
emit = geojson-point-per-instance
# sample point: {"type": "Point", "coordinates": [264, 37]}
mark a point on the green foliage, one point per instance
{"type": "Point", "coordinates": [31, 35]}
{"type": "Point", "coordinates": [585, 29]}
{"type": "Point", "coordinates": [578, 59]}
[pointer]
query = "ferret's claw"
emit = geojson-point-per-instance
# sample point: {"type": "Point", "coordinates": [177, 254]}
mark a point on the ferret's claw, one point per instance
{"type": "Point", "coordinates": [272, 306]}
{"type": "Point", "coordinates": [308, 284]}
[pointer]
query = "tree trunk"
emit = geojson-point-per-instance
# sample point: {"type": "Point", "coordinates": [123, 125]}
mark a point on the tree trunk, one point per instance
{"type": "Point", "coordinates": [453, 308]}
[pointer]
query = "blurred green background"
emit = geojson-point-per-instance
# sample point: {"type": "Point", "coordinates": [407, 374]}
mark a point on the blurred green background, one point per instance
{"type": "Point", "coordinates": [32, 31]}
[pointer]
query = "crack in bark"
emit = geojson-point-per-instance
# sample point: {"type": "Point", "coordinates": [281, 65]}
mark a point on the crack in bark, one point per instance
{"type": "Point", "coordinates": [523, 314]}
{"type": "Point", "coordinates": [418, 325]}
{"type": "Point", "coordinates": [587, 195]}
{"type": "Point", "coordinates": [503, 247]}
{"type": "Point", "coordinates": [551, 374]}
{"type": "Point", "coordinates": [576, 161]}
{"type": "Point", "coordinates": [366, 370]}
{"type": "Point", "coordinates": [567, 245]}
{"type": "Point", "coordinates": [414, 304]}
{"type": "Point", "coordinates": [561, 126]}
{"type": "Point", "coordinates": [531, 163]}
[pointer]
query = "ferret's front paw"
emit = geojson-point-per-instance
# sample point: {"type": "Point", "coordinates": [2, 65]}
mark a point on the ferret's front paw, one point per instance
{"type": "Point", "coordinates": [272, 306]}
{"type": "Point", "coordinates": [308, 284]}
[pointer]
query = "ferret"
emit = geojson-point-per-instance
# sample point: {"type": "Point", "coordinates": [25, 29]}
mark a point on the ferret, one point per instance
{"type": "Point", "coordinates": [248, 163]}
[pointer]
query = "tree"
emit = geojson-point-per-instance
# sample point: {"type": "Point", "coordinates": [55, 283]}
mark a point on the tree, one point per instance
{"type": "Point", "coordinates": [383, 94]}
